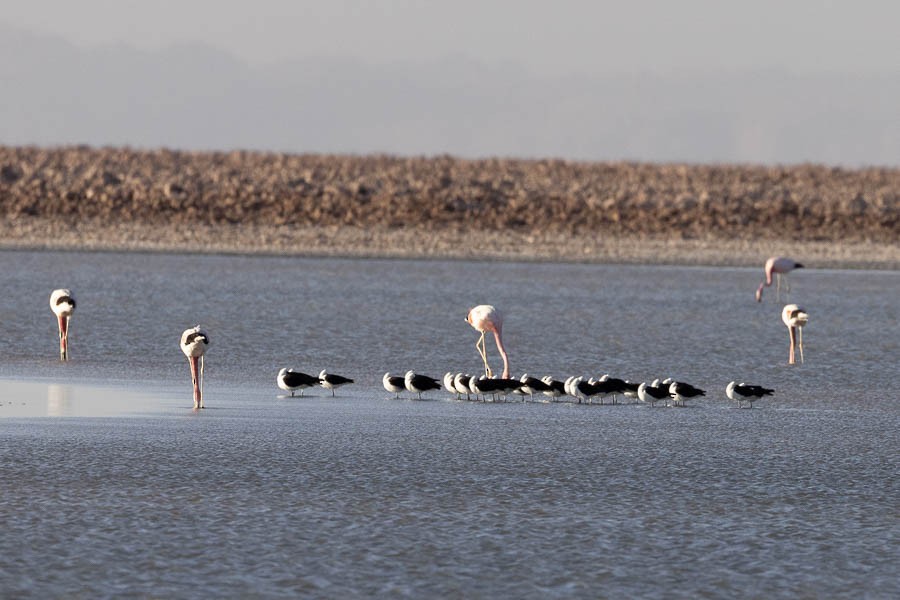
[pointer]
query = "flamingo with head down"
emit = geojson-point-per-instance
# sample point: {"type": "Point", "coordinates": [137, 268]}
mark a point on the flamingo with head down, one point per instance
{"type": "Point", "coordinates": [796, 318]}
{"type": "Point", "coordinates": [62, 303]}
{"type": "Point", "coordinates": [484, 318]}
{"type": "Point", "coordinates": [779, 266]}
{"type": "Point", "coordinates": [194, 342]}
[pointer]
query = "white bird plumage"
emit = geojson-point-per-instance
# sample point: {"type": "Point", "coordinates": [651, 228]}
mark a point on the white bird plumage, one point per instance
{"type": "Point", "coordinates": [194, 342]}
{"type": "Point", "coordinates": [795, 318]}
{"type": "Point", "coordinates": [62, 303]}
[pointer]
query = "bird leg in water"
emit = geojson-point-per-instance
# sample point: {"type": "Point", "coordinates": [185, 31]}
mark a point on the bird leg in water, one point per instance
{"type": "Point", "coordinates": [63, 337]}
{"type": "Point", "coordinates": [482, 350]}
{"type": "Point", "coordinates": [197, 379]}
{"type": "Point", "coordinates": [793, 343]}
{"type": "Point", "coordinates": [800, 342]}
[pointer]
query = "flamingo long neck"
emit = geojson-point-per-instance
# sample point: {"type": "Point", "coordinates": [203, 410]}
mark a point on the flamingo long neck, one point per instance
{"type": "Point", "coordinates": [499, 339]}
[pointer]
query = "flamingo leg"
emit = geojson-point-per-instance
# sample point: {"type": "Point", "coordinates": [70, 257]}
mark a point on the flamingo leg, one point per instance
{"type": "Point", "coordinates": [793, 342]}
{"type": "Point", "coordinates": [800, 342]}
{"type": "Point", "coordinates": [193, 361]}
{"type": "Point", "coordinates": [482, 350]}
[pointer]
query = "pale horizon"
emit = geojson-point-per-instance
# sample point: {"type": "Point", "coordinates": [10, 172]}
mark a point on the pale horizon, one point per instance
{"type": "Point", "coordinates": [700, 81]}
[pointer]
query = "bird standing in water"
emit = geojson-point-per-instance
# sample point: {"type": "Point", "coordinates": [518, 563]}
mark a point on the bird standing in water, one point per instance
{"type": "Point", "coordinates": [194, 342]}
{"type": "Point", "coordinates": [779, 266]}
{"type": "Point", "coordinates": [330, 381]}
{"type": "Point", "coordinates": [484, 318]}
{"type": "Point", "coordinates": [62, 303]}
{"type": "Point", "coordinates": [796, 318]}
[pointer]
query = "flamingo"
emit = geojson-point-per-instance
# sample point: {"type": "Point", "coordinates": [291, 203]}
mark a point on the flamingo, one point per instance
{"type": "Point", "coordinates": [796, 318]}
{"type": "Point", "coordinates": [62, 303]}
{"type": "Point", "coordinates": [780, 266]}
{"type": "Point", "coordinates": [194, 342]}
{"type": "Point", "coordinates": [484, 318]}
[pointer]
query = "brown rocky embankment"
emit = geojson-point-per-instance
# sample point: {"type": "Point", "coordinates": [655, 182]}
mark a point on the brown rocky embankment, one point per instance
{"type": "Point", "coordinates": [81, 197]}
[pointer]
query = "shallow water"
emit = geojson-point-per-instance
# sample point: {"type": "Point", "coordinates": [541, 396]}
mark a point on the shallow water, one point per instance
{"type": "Point", "coordinates": [365, 494]}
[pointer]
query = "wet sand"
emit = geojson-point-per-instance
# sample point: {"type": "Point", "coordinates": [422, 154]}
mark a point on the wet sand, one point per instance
{"type": "Point", "coordinates": [442, 207]}
{"type": "Point", "coordinates": [28, 398]}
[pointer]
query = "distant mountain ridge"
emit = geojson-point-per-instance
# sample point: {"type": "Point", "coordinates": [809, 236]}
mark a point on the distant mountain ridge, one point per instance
{"type": "Point", "coordinates": [196, 97]}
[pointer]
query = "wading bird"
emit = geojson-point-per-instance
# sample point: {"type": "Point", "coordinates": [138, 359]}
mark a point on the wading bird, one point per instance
{"type": "Point", "coordinates": [62, 303]}
{"type": "Point", "coordinates": [194, 342]}
{"type": "Point", "coordinates": [741, 392]}
{"type": "Point", "coordinates": [653, 392]}
{"type": "Point", "coordinates": [779, 266]}
{"type": "Point", "coordinates": [331, 381]}
{"type": "Point", "coordinates": [682, 392]}
{"type": "Point", "coordinates": [796, 318]}
{"type": "Point", "coordinates": [290, 380]}
{"type": "Point", "coordinates": [393, 384]}
{"type": "Point", "coordinates": [417, 384]}
{"type": "Point", "coordinates": [484, 318]}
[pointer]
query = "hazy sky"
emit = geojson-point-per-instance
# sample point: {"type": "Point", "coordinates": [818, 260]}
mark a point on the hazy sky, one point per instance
{"type": "Point", "coordinates": [542, 36]}
{"type": "Point", "coordinates": [656, 80]}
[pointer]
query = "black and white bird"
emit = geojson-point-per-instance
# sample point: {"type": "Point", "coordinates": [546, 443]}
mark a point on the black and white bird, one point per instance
{"type": "Point", "coordinates": [499, 386]}
{"type": "Point", "coordinates": [532, 385]}
{"type": "Point", "coordinates": [610, 386]}
{"type": "Point", "coordinates": [393, 384]}
{"type": "Point", "coordinates": [448, 384]}
{"type": "Point", "coordinates": [419, 384]}
{"type": "Point", "coordinates": [631, 389]}
{"type": "Point", "coordinates": [681, 392]}
{"type": "Point", "coordinates": [62, 303]}
{"type": "Point", "coordinates": [653, 392]}
{"type": "Point", "coordinates": [461, 384]}
{"type": "Point", "coordinates": [194, 343]}
{"type": "Point", "coordinates": [290, 380]}
{"type": "Point", "coordinates": [557, 388]}
{"type": "Point", "coordinates": [330, 381]}
{"type": "Point", "coordinates": [741, 392]}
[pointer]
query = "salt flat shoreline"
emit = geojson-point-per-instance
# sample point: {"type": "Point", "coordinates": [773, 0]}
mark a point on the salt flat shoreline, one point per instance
{"type": "Point", "coordinates": [82, 198]}
{"type": "Point", "coordinates": [415, 243]}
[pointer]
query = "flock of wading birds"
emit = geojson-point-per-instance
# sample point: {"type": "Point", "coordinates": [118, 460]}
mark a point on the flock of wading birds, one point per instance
{"type": "Point", "coordinates": [485, 318]}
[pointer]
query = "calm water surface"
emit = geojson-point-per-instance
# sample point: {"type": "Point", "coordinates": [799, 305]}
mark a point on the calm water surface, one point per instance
{"type": "Point", "coordinates": [111, 486]}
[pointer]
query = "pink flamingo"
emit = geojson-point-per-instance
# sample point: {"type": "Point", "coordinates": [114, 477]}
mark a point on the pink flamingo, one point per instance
{"type": "Point", "coordinates": [779, 266]}
{"type": "Point", "coordinates": [484, 318]}
{"type": "Point", "coordinates": [795, 317]}
{"type": "Point", "coordinates": [194, 342]}
{"type": "Point", "coordinates": [62, 303]}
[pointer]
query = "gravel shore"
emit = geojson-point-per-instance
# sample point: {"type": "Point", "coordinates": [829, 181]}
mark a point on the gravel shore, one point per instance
{"type": "Point", "coordinates": [442, 207]}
